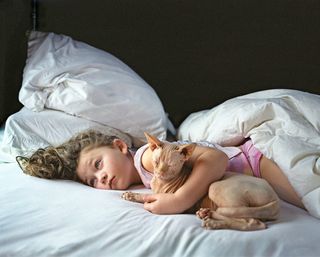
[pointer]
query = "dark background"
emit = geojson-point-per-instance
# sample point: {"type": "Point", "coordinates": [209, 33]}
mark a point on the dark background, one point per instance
{"type": "Point", "coordinates": [195, 54]}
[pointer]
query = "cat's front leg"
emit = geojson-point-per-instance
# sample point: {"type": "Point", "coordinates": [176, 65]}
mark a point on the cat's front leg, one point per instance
{"type": "Point", "coordinates": [133, 197]}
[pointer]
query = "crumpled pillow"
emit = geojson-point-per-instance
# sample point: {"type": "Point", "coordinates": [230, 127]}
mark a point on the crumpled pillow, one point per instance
{"type": "Point", "coordinates": [26, 131]}
{"type": "Point", "coordinates": [71, 76]}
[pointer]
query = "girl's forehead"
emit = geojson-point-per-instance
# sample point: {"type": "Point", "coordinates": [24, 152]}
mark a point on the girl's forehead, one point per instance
{"type": "Point", "coordinates": [87, 154]}
{"type": "Point", "coordinates": [93, 153]}
{"type": "Point", "coordinates": [92, 150]}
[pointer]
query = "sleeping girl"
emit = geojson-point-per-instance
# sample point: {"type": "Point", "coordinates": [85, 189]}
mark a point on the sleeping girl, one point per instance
{"type": "Point", "coordinates": [106, 162]}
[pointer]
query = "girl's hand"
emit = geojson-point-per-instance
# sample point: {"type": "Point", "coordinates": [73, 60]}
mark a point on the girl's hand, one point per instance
{"type": "Point", "coordinates": [162, 204]}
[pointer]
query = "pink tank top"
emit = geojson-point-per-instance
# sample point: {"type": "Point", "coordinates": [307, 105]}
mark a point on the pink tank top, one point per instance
{"type": "Point", "coordinates": [146, 176]}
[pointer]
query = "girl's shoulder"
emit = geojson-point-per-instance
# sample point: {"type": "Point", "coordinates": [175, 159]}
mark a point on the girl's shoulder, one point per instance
{"type": "Point", "coordinates": [230, 151]}
{"type": "Point", "coordinates": [142, 161]}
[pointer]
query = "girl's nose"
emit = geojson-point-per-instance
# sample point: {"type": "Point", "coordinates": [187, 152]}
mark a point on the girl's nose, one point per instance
{"type": "Point", "coordinates": [102, 177]}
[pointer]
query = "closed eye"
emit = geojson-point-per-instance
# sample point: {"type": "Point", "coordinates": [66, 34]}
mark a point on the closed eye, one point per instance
{"type": "Point", "coordinates": [156, 163]}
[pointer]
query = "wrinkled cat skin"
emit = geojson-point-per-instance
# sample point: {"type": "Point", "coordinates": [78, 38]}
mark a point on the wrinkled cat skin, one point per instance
{"type": "Point", "coordinates": [237, 201]}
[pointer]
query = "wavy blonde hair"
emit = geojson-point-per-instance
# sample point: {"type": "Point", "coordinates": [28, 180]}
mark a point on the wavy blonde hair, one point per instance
{"type": "Point", "coordinates": [61, 162]}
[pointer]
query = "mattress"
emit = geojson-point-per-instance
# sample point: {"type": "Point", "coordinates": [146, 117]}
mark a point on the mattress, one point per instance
{"type": "Point", "coordinates": [41, 217]}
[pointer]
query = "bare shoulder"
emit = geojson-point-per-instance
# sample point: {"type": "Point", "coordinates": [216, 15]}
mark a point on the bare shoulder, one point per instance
{"type": "Point", "coordinates": [208, 153]}
{"type": "Point", "coordinates": [146, 160]}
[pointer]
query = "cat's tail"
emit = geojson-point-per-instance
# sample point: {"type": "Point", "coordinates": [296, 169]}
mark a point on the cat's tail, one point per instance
{"type": "Point", "coordinates": [268, 211]}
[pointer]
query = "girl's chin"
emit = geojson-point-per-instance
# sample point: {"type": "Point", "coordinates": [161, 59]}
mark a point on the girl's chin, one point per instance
{"type": "Point", "coordinates": [119, 186]}
{"type": "Point", "coordinates": [136, 186]}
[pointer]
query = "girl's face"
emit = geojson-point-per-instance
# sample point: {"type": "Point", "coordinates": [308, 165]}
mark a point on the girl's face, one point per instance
{"type": "Point", "coordinates": [107, 167]}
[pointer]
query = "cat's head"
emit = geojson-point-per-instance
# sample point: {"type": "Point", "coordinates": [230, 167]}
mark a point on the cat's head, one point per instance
{"type": "Point", "coordinates": [168, 158]}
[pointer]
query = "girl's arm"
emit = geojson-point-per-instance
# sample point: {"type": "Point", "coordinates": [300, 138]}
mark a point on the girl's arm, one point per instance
{"type": "Point", "coordinates": [208, 165]}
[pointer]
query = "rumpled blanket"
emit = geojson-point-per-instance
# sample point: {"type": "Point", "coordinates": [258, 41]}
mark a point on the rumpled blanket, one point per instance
{"type": "Point", "coordinates": [283, 124]}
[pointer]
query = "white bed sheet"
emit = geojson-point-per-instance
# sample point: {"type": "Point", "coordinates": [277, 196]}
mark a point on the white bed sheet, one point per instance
{"type": "Point", "coordinates": [41, 217]}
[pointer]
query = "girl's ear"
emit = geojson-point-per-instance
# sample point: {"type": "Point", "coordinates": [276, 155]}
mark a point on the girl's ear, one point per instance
{"type": "Point", "coordinates": [187, 150]}
{"type": "Point", "coordinates": [153, 141]}
{"type": "Point", "coordinates": [121, 145]}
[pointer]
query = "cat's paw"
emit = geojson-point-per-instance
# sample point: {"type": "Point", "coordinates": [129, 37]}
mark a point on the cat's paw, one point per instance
{"type": "Point", "coordinates": [255, 224]}
{"type": "Point", "coordinates": [203, 213]}
{"type": "Point", "coordinates": [133, 197]}
{"type": "Point", "coordinates": [129, 196]}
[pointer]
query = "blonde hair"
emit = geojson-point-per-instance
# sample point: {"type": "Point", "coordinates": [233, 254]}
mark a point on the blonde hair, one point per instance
{"type": "Point", "coordinates": [61, 162]}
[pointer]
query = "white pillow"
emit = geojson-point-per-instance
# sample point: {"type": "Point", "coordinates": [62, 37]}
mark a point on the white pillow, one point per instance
{"type": "Point", "coordinates": [26, 131]}
{"type": "Point", "coordinates": [73, 77]}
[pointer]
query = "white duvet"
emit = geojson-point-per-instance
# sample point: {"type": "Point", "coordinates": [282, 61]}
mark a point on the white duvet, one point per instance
{"type": "Point", "coordinates": [283, 124]}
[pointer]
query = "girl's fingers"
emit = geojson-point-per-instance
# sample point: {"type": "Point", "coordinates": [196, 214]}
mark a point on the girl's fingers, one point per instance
{"type": "Point", "coordinates": [150, 206]}
{"type": "Point", "coordinates": [149, 198]}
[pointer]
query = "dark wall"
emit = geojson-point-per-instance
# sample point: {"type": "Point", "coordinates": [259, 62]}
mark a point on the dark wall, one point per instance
{"type": "Point", "coordinates": [14, 22]}
{"type": "Point", "coordinates": [195, 54]}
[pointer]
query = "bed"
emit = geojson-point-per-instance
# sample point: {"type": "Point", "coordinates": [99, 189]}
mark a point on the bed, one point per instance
{"type": "Point", "coordinates": [63, 218]}
{"type": "Point", "coordinates": [73, 80]}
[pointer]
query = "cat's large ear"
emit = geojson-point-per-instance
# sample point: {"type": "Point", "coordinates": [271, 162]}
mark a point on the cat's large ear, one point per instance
{"type": "Point", "coordinates": [153, 141]}
{"type": "Point", "coordinates": [187, 150]}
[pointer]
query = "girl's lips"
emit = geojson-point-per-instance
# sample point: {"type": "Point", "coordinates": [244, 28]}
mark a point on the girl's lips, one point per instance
{"type": "Point", "coordinates": [110, 182]}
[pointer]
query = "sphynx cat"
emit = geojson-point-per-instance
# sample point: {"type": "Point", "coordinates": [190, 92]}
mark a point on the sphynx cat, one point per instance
{"type": "Point", "coordinates": [237, 201]}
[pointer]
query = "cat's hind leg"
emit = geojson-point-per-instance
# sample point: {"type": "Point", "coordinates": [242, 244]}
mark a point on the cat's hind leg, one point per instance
{"type": "Point", "coordinates": [236, 224]}
{"type": "Point", "coordinates": [213, 220]}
